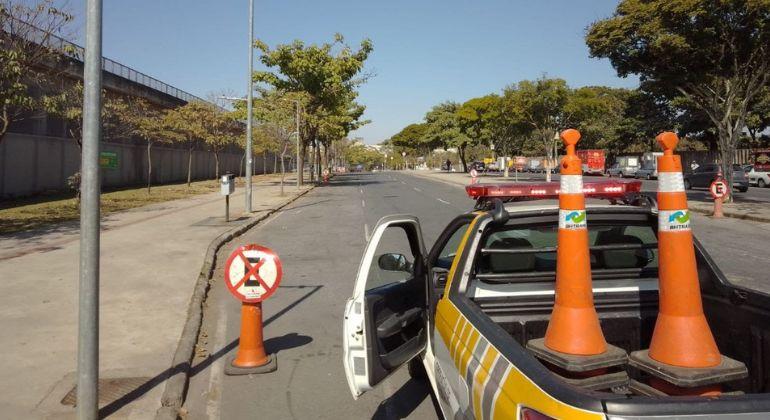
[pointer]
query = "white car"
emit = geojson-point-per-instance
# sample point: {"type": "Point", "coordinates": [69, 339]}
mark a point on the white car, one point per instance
{"type": "Point", "coordinates": [760, 179]}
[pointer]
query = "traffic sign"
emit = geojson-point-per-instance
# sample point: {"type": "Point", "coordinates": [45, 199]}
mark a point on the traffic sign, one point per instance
{"type": "Point", "coordinates": [474, 173]}
{"type": "Point", "coordinates": [718, 189]}
{"type": "Point", "coordinates": [253, 273]}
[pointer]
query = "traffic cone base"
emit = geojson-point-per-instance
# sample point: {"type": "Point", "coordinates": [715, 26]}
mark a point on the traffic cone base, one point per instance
{"type": "Point", "coordinates": [687, 342]}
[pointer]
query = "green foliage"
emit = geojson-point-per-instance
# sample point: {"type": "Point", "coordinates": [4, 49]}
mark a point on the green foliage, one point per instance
{"type": "Point", "coordinates": [25, 65]}
{"type": "Point", "coordinates": [359, 154]}
{"type": "Point", "coordinates": [709, 56]}
{"type": "Point", "coordinates": [328, 75]}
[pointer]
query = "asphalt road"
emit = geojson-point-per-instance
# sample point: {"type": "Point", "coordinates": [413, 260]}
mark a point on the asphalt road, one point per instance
{"type": "Point", "coordinates": [320, 239]}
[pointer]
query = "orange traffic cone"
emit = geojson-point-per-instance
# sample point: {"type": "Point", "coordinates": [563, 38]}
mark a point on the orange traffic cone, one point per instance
{"type": "Point", "coordinates": [574, 325]}
{"type": "Point", "coordinates": [251, 356]}
{"type": "Point", "coordinates": [681, 336]}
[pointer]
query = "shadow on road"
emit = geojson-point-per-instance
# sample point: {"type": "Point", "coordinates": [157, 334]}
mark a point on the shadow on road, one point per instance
{"type": "Point", "coordinates": [404, 401]}
{"type": "Point", "coordinates": [273, 345]}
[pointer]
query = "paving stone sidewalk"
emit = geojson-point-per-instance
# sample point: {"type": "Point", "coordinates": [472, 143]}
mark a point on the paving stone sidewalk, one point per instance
{"type": "Point", "coordinates": [150, 260]}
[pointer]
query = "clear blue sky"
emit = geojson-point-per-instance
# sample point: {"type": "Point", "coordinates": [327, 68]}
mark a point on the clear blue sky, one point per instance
{"type": "Point", "coordinates": [425, 51]}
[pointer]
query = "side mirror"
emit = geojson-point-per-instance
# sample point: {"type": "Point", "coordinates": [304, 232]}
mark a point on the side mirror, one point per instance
{"type": "Point", "coordinates": [394, 262]}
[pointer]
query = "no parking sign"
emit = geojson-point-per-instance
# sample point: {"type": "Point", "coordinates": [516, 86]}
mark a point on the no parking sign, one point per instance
{"type": "Point", "coordinates": [253, 273]}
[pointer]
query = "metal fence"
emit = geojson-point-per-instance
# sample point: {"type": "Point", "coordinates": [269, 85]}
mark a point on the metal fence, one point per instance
{"type": "Point", "coordinates": [74, 51]}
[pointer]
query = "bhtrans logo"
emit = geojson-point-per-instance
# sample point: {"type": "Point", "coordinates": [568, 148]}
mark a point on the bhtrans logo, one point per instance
{"type": "Point", "coordinates": [572, 219]}
{"type": "Point", "coordinates": [673, 220]}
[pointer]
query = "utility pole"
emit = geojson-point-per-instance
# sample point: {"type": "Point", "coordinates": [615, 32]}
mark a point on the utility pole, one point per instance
{"type": "Point", "coordinates": [249, 111]}
{"type": "Point", "coordinates": [298, 168]}
{"type": "Point", "coordinates": [88, 287]}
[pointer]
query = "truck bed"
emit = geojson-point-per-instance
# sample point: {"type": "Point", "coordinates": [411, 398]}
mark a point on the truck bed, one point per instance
{"type": "Point", "coordinates": [739, 319]}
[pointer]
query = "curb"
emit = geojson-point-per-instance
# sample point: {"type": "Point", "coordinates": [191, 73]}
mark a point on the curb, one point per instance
{"type": "Point", "coordinates": [708, 211]}
{"type": "Point", "coordinates": [176, 384]}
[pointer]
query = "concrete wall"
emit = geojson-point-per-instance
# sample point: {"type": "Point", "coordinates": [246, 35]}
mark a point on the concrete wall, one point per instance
{"type": "Point", "coordinates": [32, 164]}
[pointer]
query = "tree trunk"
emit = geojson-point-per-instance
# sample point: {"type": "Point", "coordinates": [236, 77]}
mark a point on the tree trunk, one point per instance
{"type": "Point", "coordinates": [216, 164]}
{"type": "Point", "coordinates": [264, 162]}
{"type": "Point", "coordinates": [4, 123]}
{"type": "Point", "coordinates": [301, 163]}
{"type": "Point", "coordinates": [189, 165]}
{"type": "Point", "coordinates": [461, 155]}
{"type": "Point", "coordinates": [283, 166]}
{"type": "Point", "coordinates": [149, 165]}
{"type": "Point", "coordinates": [275, 163]}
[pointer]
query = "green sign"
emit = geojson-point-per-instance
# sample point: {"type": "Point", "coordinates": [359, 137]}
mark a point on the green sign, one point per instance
{"type": "Point", "coordinates": [108, 160]}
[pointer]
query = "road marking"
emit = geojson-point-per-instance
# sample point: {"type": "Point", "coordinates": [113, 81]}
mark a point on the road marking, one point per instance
{"type": "Point", "coordinates": [417, 189]}
{"type": "Point", "coordinates": [361, 190]}
{"type": "Point", "coordinates": [298, 211]}
{"type": "Point", "coordinates": [366, 232]}
{"type": "Point", "coordinates": [363, 203]}
{"type": "Point", "coordinates": [217, 368]}
{"type": "Point", "coordinates": [403, 182]}
{"type": "Point", "coordinates": [444, 201]}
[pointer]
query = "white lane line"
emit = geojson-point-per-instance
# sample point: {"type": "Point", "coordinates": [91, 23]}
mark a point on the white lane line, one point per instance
{"type": "Point", "coordinates": [361, 190]}
{"type": "Point", "coordinates": [417, 189]}
{"type": "Point", "coordinates": [363, 203]}
{"type": "Point", "coordinates": [366, 232]}
{"type": "Point", "coordinates": [217, 368]}
{"type": "Point", "coordinates": [298, 211]}
{"type": "Point", "coordinates": [444, 201]}
{"type": "Point", "coordinates": [403, 182]}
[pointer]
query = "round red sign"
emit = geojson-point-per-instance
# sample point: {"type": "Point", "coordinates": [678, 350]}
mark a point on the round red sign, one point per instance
{"type": "Point", "coordinates": [474, 174]}
{"type": "Point", "coordinates": [718, 189]}
{"type": "Point", "coordinates": [253, 273]}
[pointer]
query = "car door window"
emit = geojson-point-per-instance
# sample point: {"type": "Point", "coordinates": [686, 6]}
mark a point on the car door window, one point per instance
{"type": "Point", "coordinates": [449, 250]}
{"type": "Point", "coordinates": [393, 260]}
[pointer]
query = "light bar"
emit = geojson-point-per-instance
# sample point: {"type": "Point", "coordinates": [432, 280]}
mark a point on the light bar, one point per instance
{"type": "Point", "coordinates": [544, 190]}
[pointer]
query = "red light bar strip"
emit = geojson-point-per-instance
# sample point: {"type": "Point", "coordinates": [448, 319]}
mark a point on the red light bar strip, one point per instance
{"type": "Point", "coordinates": [543, 190]}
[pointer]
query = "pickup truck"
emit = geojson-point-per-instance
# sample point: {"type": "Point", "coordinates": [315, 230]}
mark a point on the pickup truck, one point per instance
{"type": "Point", "coordinates": [460, 314]}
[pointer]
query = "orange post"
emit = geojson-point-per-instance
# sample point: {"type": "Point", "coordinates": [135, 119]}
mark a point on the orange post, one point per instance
{"type": "Point", "coordinates": [681, 336]}
{"type": "Point", "coordinates": [251, 356]}
{"type": "Point", "coordinates": [718, 208]}
{"type": "Point", "coordinates": [574, 325]}
{"type": "Point", "coordinates": [251, 348]}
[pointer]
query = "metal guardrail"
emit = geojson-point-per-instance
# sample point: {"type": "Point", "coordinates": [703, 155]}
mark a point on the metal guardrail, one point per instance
{"type": "Point", "coordinates": [76, 52]}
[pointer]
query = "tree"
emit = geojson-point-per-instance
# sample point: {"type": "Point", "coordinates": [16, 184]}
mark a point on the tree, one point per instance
{"type": "Point", "coordinates": [277, 112]}
{"type": "Point", "coordinates": [328, 74]}
{"type": "Point", "coordinates": [475, 118]}
{"type": "Point", "coordinates": [67, 104]}
{"type": "Point", "coordinates": [220, 129]}
{"type": "Point", "coordinates": [713, 54]}
{"type": "Point", "coordinates": [444, 129]}
{"type": "Point", "coordinates": [758, 118]}
{"type": "Point", "coordinates": [541, 106]}
{"type": "Point", "coordinates": [150, 124]}
{"type": "Point", "coordinates": [415, 138]}
{"type": "Point", "coordinates": [26, 50]}
{"type": "Point", "coordinates": [188, 122]}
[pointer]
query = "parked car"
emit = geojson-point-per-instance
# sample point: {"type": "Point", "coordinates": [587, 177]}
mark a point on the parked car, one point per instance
{"type": "Point", "coordinates": [628, 166]}
{"type": "Point", "coordinates": [614, 170]}
{"type": "Point", "coordinates": [477, 165]}
{"type": "Point", "coordinates": [649, 167]}
{"type": "Point", "coordinates": [705, 174]}
{"type": "Point", "coordinates": [759, 178]}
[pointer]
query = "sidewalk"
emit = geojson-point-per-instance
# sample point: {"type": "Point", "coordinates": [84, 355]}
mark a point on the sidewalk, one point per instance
{"type": "Point", "coordinates": [150, 261]}
{"type": "Point", "coordinates": [754, 211]}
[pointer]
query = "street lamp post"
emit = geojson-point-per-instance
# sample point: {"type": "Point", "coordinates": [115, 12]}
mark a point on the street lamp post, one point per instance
{"type": "Point", "coordinates": [88, 286]}
{"type": "Point", "coordinates": [249, 112]}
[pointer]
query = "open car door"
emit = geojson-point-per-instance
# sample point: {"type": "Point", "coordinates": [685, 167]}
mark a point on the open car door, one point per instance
{"type": "Point", "coordinates": [385, 320]}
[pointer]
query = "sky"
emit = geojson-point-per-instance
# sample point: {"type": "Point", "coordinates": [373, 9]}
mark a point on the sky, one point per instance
{"type": "Point", "coordinates": [425, 51]}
